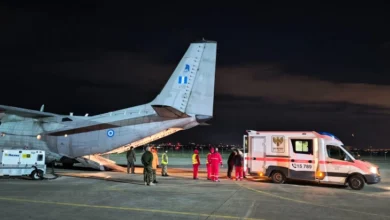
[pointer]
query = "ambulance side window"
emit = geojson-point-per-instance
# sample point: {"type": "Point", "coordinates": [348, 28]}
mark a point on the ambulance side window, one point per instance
{"type": "Point", "coordinates": [302, 146]}
{"type": "Point", "coordinates": [335, 152]}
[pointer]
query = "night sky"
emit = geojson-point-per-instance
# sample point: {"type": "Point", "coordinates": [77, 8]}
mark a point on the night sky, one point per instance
{"type": "Point", "coordinates": [320, 68]}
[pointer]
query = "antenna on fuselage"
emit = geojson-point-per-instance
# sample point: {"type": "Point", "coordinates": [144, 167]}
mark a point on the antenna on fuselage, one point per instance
{"type": "Point", "coordinates": [86, 115]}
{"type": "Point", "coordinates": [42, 108]}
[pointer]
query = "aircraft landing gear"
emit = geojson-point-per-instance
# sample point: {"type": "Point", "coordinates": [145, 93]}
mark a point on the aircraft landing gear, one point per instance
{"type": "Point", "coordinates": [67, 165]}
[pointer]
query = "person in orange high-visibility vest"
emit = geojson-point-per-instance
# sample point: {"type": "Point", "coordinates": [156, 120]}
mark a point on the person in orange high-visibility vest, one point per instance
{"type": "Point", "coordinates": [155, 163]}
{"type": "Point", "coordinates": [208, 165]}
{"type": "Point", "coordinates": [195, 164]}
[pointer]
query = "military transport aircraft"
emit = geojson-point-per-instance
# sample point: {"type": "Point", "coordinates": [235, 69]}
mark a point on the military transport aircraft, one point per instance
{"type": "Point", "coordinates": [186, 101]}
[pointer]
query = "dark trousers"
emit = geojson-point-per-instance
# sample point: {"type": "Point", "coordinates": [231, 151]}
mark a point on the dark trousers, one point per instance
{"type": "Point", "coordinates": [230, 170]}
{"type": "Point", "coordinates": [164, 170]}
{"type": "Point", "coordinates": [148, 174]}
{"type": "Point", "coordinates": [130, 165]}
{"type": "Point", "coordinates": [154, 175]}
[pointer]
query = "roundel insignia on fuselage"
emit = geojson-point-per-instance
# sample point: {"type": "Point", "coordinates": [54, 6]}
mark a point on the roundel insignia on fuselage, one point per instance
{"type": "Point", "coordinates": [110, 133]}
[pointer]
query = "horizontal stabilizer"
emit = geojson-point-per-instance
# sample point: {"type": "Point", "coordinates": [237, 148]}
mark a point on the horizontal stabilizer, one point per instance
{"type": "Point", "coordinates": [9, 110]}
{"type": "Point", "coordinates": [168, 112]}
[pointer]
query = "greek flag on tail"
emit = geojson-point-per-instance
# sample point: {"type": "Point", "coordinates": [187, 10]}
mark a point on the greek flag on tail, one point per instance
{"type": "Point", "coordinates": [183, 80]}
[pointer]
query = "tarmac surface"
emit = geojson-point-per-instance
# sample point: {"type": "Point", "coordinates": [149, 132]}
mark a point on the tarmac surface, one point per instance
{"type": "Point", "coordinates": [87, 194]}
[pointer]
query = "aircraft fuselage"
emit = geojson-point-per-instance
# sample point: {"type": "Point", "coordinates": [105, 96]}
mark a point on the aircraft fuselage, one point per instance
{"type": "Point", "coordinates": [88, 135]}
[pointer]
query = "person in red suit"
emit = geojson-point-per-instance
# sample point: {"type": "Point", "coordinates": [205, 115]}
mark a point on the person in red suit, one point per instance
{"type": "Point", "coordinates": [195, 164]}
{"type": "Point", "coordinates": [239, 163]}
{"type": "Point", "coordinates": [215, 160]}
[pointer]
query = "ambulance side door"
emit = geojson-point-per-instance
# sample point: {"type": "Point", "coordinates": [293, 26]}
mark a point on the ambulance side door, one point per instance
{"type": "Point", "coordinates": [337, 164]}
{"type": "Point", "coordinates": [302, 161]}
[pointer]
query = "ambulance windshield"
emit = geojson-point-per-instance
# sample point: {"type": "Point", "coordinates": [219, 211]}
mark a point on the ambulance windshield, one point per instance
{"type": "Point", "coordinates": [349, 153]}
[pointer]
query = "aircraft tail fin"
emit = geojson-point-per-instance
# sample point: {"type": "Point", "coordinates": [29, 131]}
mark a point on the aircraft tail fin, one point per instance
{"type": "Point", "coordinates": [190, 90]}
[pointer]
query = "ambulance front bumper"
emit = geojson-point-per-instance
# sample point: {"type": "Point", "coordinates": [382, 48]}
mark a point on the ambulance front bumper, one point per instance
{"type": "Point", "coordinates": [372, 178]}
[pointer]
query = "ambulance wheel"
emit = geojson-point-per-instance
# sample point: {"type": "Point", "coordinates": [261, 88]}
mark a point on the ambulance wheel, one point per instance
{"type": "Point", "coordinates": [36, 175]}
{"type": "Point", "coordinates": [356, 182]}
{"type": "Point", "coordinates": [278, 177]}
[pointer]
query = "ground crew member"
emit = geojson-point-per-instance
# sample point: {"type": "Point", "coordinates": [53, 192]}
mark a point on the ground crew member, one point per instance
{"type": "Point", "coordinates": [208, 166]}
{"type": "Point", "coordinates": [130, 160]}
{"type": "Point", "coordinates": [164, 163]}
{"type": "Point", "coordinates": [195, 164]}
{"type": "Point", "coordinates": [239, 163]}
{"type": "Point", "coordinates": [215, 160]}
{"type": "Point", "coordinates": [230, 163]}
{"type": "Point", "coordinates": [154, 164]}
{"type": "Point", "coordinates": [147, 160]}
{"type": "Point", "coordinates": [220, 156]}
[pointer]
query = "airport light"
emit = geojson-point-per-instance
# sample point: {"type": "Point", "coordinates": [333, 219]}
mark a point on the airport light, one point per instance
{"type": "Point", "coordinates": [371, 152]}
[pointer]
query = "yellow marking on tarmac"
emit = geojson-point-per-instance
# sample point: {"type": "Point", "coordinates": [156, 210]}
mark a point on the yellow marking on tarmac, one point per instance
{"type": "Point", "coordinates": [123, 208]}
{"type": "Point", "coordinates": [309, 203]}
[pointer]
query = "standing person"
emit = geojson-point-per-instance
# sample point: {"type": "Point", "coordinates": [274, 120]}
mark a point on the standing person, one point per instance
{"type": "Point", "coordinates": [215, 160]}
{"type": "Point", "coordinates": [219, 155]}
{"type": "Point", "coordinates": [147, 160]}
{"type": "Point", "coordinates": [130, 160]}
{"type": "Point", "coordinates": [239, 163]}
{"type": "Point", "coordinates": [154, 164]}
{"type": "Point", "coordinates": [164, 163]}
{"type": "Point", "coordinates": [208, 166]}
{"type": "Point", "coordinates": [230, 163]}
{"type": "Point", "coordinates": [195, 164]}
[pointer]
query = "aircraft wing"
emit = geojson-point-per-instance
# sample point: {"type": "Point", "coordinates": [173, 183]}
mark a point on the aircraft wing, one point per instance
{"type": "Point", "coordinates": [22, 112]}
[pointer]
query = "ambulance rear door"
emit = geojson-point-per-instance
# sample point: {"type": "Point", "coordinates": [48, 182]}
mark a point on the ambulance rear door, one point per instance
{"type": "Point", "coordinates": [256, 153]}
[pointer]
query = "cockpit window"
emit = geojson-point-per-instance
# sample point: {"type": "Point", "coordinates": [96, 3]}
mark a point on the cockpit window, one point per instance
{"type": "Point", "coordinates": [66, 119]}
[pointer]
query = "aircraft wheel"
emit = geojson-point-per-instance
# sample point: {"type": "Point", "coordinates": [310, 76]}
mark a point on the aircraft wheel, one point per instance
{"type": "Point", "coordinates": [278, 177]}
{"type": "Point", "coordinates": [356, 182]}
{"type": "Point", "coordinates": [67, 165]}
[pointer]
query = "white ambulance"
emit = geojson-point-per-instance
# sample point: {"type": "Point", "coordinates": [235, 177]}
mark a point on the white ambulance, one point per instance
{"type": "Point", "coordinates": [22, 162]}
{"type": "Point", "coordinates": [306, 155]}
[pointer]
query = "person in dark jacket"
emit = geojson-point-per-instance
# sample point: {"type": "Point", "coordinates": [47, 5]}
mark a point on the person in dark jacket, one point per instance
{"type": "Point", "coordinates": [130, 160]}
{"type": "Point", "coordinates": [239, 163]}
{"type": "Point", "coordinates": [147, 160]}
{"type": "Point", "coordinates": [230, 163]}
